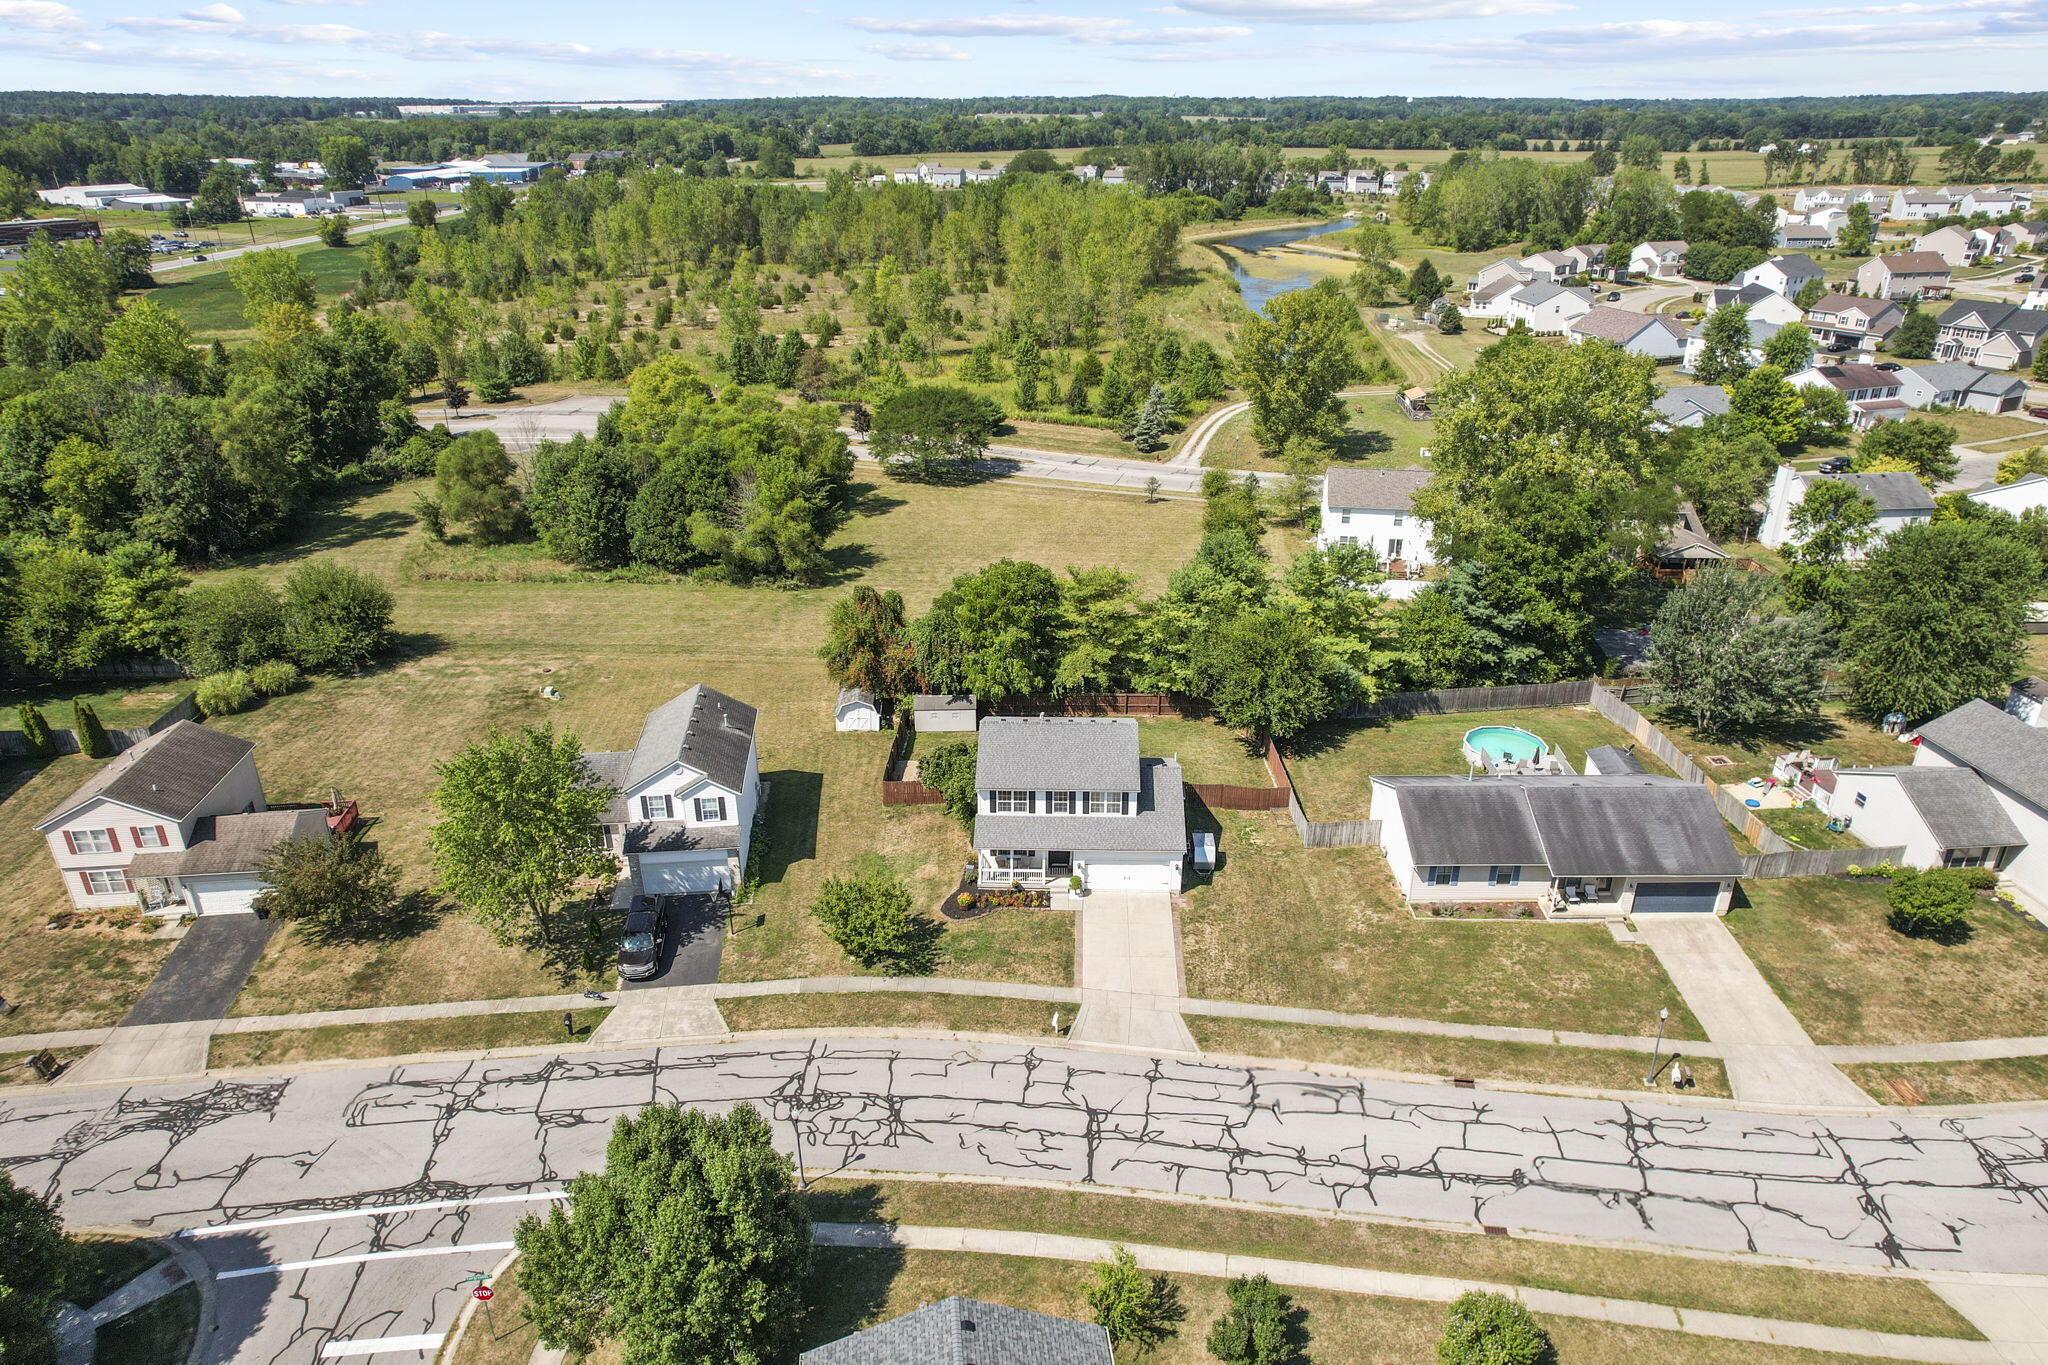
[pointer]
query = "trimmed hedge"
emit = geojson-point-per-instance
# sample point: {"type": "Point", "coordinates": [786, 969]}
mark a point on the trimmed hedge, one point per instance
{"type": "Point", "coordinates": [223, 694]}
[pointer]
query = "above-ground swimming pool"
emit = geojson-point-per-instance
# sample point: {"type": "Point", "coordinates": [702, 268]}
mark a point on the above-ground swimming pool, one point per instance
{"type": "Point", "coordinates": [1491, 745]}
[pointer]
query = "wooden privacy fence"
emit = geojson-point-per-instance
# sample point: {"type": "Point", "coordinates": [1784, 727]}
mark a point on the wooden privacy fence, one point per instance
{"type": "Point", "coordinates": [65, 741]}
{"type": "Point", "coordinates": [1139, 704]}
{"type": "Point", "coordinates": [896, 791]}
{"type": "Point", "coordinates": [1817, 862]}
{"type": "Point", "coordinates": [1448, 700]}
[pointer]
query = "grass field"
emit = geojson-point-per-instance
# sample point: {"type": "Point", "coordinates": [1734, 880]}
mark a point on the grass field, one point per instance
{"type": "Point", "coordinates": [1836, 734]}
{"type": "Point", "coordinates": [1284, 925]}
{"type": "Point", "coordinates": [161, 1332]}
{"type": "Point", "coordinates": [1825, 948]}
{"type": "Point", "coordinates": [467, 1033]}
{"type": "Point", "coordinates": [1377, 435]}
{"type": "Point", "coordinates": [210, 305]}
{"type": "Point", "coordinates": [2000, 1080]}
{"type": "Point", "coordinates": [901, 1009]}
{"type": "Point", "coordinates": [1333, 764]}
{"type": "Point", "coordinates": [1427, 1055]}
{"type": "Point", "coordinates": [116, 704]}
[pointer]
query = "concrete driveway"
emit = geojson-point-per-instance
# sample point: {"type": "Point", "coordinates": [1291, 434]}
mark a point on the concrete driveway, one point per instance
{"type": "Point", "coordinates": [1130, 971]}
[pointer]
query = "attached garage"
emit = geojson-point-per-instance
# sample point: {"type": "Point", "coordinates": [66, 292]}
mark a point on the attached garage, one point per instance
{"type": "Point", "coordinates": [227, 894]}
{"type": "Point", "coordinates": [1125, 872]}
{"type": "Point", "coordinates": [1696, 898]}
{"type": "Point", "coordinates": [683, 873]}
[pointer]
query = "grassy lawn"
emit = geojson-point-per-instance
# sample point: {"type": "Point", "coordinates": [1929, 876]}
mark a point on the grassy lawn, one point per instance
{"type": "Point", "coordinates": [159, 1333]}
{"type": "Point", "coordinates": [478, 651]}
{"type": "Point", "coordinates": [1069, 437]}
{"type": "Point", "coordinates": [1208, 752]}
{"type": "Point", "coordinates": [1995, 1081]}
{"type": "Point", "coordinates": [1378, 436]}
{"type": "Point", "coordinates": [1973, 428]}
{"type": "Point", "coordinates": [1334, 763]}
{"type": "Point", "coordinates": [1284, 925]}
{"type": "Point", "coordinates": [1876, 1303]}
{"type": "Point", "coordinates": [118, 704]}
{"type": "Point", "coordinates": [897, 1009]}
{"type": "Point", "coordinates": [1825, 948]}
{"type": "Point", "coordinates": [1837, 734]}
{"type": "Point", "coordinates": [1806, 827]}
{"type": "Point", "coordinates": [1425, 1055]}
{"type": "Point", "coordinates": [469, 1033]}
{"type": "Point", "coordinates": [210, 305]}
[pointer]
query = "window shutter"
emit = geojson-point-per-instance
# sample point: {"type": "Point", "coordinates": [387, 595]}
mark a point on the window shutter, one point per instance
{"type": "Point", "coordinates": [85, 880]}
{"type": "Point", "coordinates": [70, 844]}
{"type": "Point", "coordinates": [163, 836]}
{"type": "Point", "coordinates": [1031, 799]}
{"type": "Point", "coordinates": [114, 838]}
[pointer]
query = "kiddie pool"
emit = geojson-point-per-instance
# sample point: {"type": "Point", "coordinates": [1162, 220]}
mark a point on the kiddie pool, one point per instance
{"type": "Point", "coordinates": [1489, 746]}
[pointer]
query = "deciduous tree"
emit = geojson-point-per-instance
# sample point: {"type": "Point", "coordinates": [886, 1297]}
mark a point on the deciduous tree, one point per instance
{"type": "Point", "coordinates": [1938, 616]}
{"type": "Point", "coordinates": [1724, 656]}
{"type": "Point", "coordinates": [1294, 361]}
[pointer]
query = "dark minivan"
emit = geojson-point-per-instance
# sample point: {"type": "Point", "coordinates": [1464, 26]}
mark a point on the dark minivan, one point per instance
{"type": "Point", "coordinates": [640, 943]}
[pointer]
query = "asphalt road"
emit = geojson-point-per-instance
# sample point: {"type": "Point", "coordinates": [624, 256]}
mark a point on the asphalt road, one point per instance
{"type": "Point", "coordinates": [357, 227]}
{"type": "Point", "coordinates": [283, 1178]}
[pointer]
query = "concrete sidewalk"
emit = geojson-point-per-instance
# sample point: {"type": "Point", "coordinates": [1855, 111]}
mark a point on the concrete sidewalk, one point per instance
{"type": "Point", "coordinates": [1128, 954]}
{"type": "Point", "coordinates": [1432, 1288]}
{"type": "Point", "coordinates": [1770, 1058]}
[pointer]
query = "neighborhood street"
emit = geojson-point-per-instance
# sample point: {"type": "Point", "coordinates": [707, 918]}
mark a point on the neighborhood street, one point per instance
{"type": "Point", "coordinates": [278, 1179]}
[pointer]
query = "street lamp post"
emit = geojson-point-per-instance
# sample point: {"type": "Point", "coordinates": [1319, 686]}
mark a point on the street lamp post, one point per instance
{"type": "Point", "coordinates": [1662, 1015]}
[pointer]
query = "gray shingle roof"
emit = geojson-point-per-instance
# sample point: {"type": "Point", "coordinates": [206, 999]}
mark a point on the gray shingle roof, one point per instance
{"type": "Point", "coordinates": [231, 843]}
{"type": "Point", "coordinates": [856, 695]}
{"type": "Point", "coordinates": [960, 1331]}
{"type": "Point", "coordinates": [1617, 325]}
{"type": "Point", "coordinates": [2001, 747]}
{"type": "Point", "coordinates": [1958, 809]}
{"type": "Point", "coordinates": [1576, 826]}
{"type": "Point", "coordinates": [1057, 753]}
{"type": "Point", "coordinates": [1915, 263]}
{"type": "Point", "coordinates": [1956, 376]}
{"type": "Point", "coordinates": [932, 701]}
{"type": "Point", "coordinates": [1381, 489]}
{"type": "Point", "coordinates": [1610, 759]}
{"type": "Point", "coordinates": [1893, 490]}
{"type": "Point", "coordinates": [1998, 317]}
{"type": "Point", "coordinates": [703, 728]}
{"type": "Point", "coordinates": [1535, 295]}
{"type": "Point", "coordinates": [1160, 826]}
{"type": "Point", "coordinates": [673, 836]}
{"type": "Point", "coordinates": [1677, 403]}
{"type": "Point", "coordinates": [168, 774]}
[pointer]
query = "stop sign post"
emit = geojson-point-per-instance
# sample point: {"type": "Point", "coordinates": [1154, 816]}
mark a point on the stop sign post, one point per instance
{"type": "Point", "coordinates": [483, 1293]}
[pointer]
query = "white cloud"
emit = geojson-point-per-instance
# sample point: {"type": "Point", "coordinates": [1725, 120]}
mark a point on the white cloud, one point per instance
{"type": "Point", "coordinates": [219, 14]}
{"type": "Point", "coordinates": [1368, 11]}
{"type": "Point", "coordinates": [1072, 27]}
{"type": "Point", "coordinates": [40, 16]}
{"type": "Point", "coordinates": [918, 52]}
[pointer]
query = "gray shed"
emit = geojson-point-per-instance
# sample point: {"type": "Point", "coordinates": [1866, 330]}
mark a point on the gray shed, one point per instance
{"type": "Point", "coordinates": [931, 712]}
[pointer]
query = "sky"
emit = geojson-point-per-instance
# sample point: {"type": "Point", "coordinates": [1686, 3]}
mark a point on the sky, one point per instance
{"type": "Point", "coordinates": [606, 49]}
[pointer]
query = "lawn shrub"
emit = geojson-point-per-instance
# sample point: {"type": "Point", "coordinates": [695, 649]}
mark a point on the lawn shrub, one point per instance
{"type": "Point", "coordinates": [92, 736]}
{"type": "Point", "coordinates": [869, 915]}
{"type": "Point", "coordinates": [949, 770]}
{"type": "Point", "coordinates": [275, 678]}
{"type": "Point", "coordinates": [1492, 1329]}
{"type": "Point", "coordinates": [223, 694]}
{"type": "Point", "coordinates": [1933, 905]}
{"type": "Point", "coordinates": [35, 731]}
{"type": "Point", "coordinates": [335, 618]}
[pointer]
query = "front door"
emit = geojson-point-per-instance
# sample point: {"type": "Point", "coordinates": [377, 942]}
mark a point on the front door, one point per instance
{"type": "Point", "coordinates": [1059, 863]}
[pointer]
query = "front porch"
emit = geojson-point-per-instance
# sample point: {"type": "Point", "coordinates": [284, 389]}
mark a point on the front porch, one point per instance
{"type": "Point", "coordinates": [1584, 898]}
{"type": "Point", "coordinates": [996, 868]}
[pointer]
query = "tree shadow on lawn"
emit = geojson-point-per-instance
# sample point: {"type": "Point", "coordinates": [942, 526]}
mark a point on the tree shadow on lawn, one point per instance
{"type": "Point", "coordinates": [412, 914]}
{"type": "Point", "coordinates": [846, 1291]}
{"type": "Point", "coordinates": [1359, 445]}
{"type": "Point", "coordinates": [790, 835]}
{"type": "Point", "coordinates": [1784, 732]}
{"type": "Point", "coordinates": [1325, 737]}
{"type": "Point", "coordinates": [332, 527]}
{"type": "Point", "coordinates": [1202, 820]}
{"type": "Point", "coordinates": [580, 941]}
{"type": "Point", "coordinates": [847, 562]}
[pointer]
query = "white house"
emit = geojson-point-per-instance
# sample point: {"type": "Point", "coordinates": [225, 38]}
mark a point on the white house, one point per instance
{"type": "Point", "coordinates": [177, 821]}
{"type": "Point", "coordinates": [1651, 334]}
{"type": "Point", "coordinates": [1903, 275]}
{"type": "Point", "coordinates": [1067, 796]}
{"type": "Point", "coordinates": [687, 792]}
{"type": "Point", "coordinates": [2036, 300]}
{"type": "Point", "coordinates": [1810, 197]}
{"type": "Point", "coordinates": [1374, 509]}
{"type": "Point", "coordinates": [1806, 234]}
{"type": "Point", "coordinates": [1953, 384]}
{"type": "Point", "coordinates": [1547, 309]}
{"type": "Point", "coordinates": [2011, 758]}
{"type": "Point", "coordinates": [1764, 305]}
{"type": "Point", "coordinates": [1901, 500]}
{"type": "Point", "coordinates": [1918, 206]}
{"type": "Point", "coordinates": [1554, 267]}
{"type": "Point", "coordinates": [1787, 274]}
{"type": "Point", "coordinates": [1957, 246]}
{"type": "Point", "coordinates": [2026, 494]}
{"type": "Point", "coordinates": [1658, 260]}
{"type": "Point", "coordinates": [1760, 331]}
{"type": "Point", "coordinates": [1942, 816]}
{"type": "Point", "coordinates": [1596, 847]}
{"type": "Point", "coordinates": [855, 710]}
{"type": "Point", "coordinates": [1992, 203]}
{"type": "Point", "coordinates": [1872, 394]}
{"type": "Point", "coordinates": [90, 196]}
{"type": "Point", "coordinates": [1690, 405]}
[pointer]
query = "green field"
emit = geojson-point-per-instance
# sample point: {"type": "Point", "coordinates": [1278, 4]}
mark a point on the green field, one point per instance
{"type": "Point", "coordinates": [206, 298]}
{"type": "Point", "coordinates": [1377, 435]}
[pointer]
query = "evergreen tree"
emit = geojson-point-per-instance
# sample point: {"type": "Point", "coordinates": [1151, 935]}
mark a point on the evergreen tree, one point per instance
{"type": "Point", "coordinates": [35, 731]}
{"type": "Point", "coordinates": [1148, 429]}
{"type": "Point", "coordinates": [92, 736]}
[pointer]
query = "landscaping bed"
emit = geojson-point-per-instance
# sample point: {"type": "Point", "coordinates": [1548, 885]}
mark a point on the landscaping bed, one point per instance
{"type": "Point", "coordinates": [1479, 910]}
{"type": "Point", "coordinates": [968, 901]}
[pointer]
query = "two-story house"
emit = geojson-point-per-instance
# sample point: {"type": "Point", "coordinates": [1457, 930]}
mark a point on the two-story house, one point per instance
{"type": "Point", "coordinates": [1958, 246]}
{"type": "Point", "coordinates": [1759, 330]}
{"type": "Point", "coordinates": [1903, 275]}
{"type": "Point", "coordinates": [687, 792]}
{"type": "Point", "coordinates": [1920, 206]}
{"type": "Point", "coordinates": [177, 822]}
{"type": "Point", "coordinates": [1061, 796]}
{"type": "Point", "coordinates": [1658, 260]}
{"type": "Point", "coordinates": [1850, 322]}
{"type": "Point", "coordinates": [1900, 499]}
{"type": "Point", "coordinates": [1872, 394]}
{"type": "Point", "coordinates": [1374, 509]}
{"type": "Point", "coordinates": [1547, 309]}
{"type": "Point", "coordinates": [1764, 305]}
{"type": "Point", "coordinates": [1787, 274]}
{"type": "Point", "coordinates": [1996, 336]}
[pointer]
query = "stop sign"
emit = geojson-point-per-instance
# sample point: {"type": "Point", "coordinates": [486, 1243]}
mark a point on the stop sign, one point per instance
{"type": "Point", "coordinates": [482, 1293]}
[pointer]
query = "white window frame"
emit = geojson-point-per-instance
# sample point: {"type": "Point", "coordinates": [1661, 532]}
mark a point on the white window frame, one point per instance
{"type": "Point", "coordinates": [1011, 861]}
{"type": "Point", "coordinates": [93, 841]}
{"type": "Point", "coordinates": [1062, 803]}
{"type": "Point", "coordinates": [1103, 803]}
{"type": "Point", "coordinates": [1505, 875]}
{"type": "Point", "coordinates": [111, 876]}
{"type": "Point", "coordinates": [717, 814]}
{"type": "Point", "coordinates": [1002, 801]}
{"type": "Point", "coordinates": [649, 804]}
{"type": "Point", "coordinates": [146, 836]}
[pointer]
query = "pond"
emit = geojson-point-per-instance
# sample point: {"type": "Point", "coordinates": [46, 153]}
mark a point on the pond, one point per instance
{"type": "Point", "coordinates": [1257, 291]}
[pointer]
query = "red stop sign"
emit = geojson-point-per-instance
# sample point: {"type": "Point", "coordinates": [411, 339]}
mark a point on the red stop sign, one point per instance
{"type": "Point", "coordinates": [482, 1293]}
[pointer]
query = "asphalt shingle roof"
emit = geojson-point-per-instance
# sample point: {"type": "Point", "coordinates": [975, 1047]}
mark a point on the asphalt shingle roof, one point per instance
{"type": "Point", "coordinates": [1603, 826]}
{"type": "Point", "coordinates": [168, 774]}
{"type": "Point", "coordinates": [1057, 753]}
{"type": "Point", "coordinates": [1612, 759]}
{"type": "Point", "coordinates": [1893, 490]}
{"type": "Point", "coordinates": [2001, 747]}
{"type": "Point", "coordinates": [1617, 325]}
{"type": "Point", "coordinates": [1677, 403]}
{"type": "Point", "coordinates": [1160, 826]}
{"type": "Point", "coordinates": [231, 843]}
{"type": "Point", "coordinates": [960, 1331]}
{"type": "Point", "coordinates": [1958, 809]}
{"type": "Point", "coordinates": [1915, 263]}
{"type": "Point", "coordinates": [703, 728]}
{"type": "Point", "coordinates": [1379, 489]}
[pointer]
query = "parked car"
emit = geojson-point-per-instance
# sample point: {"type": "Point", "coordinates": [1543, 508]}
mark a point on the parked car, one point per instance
{"type": "Point", "coordinates": [200, 257]}
{"type": "Point", "coordinates": [1890, 366]}
{"type": "Point", "coordinates": [2039, 410]}
{"type": "Point", "coordinates": [1614, 296]}
{"type": "Point", "coordinates": [2024, 277]}
{"type": "Point", "coordinates": [640, 943]}
{"type": "Point", "coordinates": [1838, 464]}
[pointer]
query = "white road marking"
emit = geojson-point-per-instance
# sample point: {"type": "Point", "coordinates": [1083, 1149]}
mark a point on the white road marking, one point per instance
{"type": "Point", "coordinates": [370, 1346]}
{"type": "Point", "coordinates": [373, 1210]}
{"type": "Point", "coordinates": [279, 1267]}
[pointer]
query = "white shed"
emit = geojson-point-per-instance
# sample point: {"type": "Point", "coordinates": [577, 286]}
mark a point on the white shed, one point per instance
{"type": "Point", "coordinates": [856, 710]}
{"type": "Point", "coordinates": [932, 713]}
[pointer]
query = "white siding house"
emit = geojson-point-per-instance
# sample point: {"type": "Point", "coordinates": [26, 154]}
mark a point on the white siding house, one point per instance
{"type": "Point", "coordinates": [687, 793]}
{"type": "Point", "coordinates": [1785, 275]}
{"type": "Point", "coordinates": [1374, 509]}
{"type": "Point", "coordinates": [1658, 260]}
{"type": "Point", "coordinates": [1058, 797]}
{"type": "Point", "coordinates": [1901, 500]}
{"type": "Point", "coordinates": [2011, 758]}
{"type": "Point", "coordinates": [1547, 309]}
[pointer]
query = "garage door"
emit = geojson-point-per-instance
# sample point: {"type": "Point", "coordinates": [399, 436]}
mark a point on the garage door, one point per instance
{"type": "Point", "coordinates": [224, 895]}
{"type": "Point", "coordinates": [1131, 876]}
{"type": "Point", "coordinates": [679, 874]}
{"type": "Point", "coordinates": [1668, 897]}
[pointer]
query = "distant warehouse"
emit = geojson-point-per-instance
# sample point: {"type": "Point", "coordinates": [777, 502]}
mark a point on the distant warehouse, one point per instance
{"type": "Point", "coordinates": [504, 170]}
